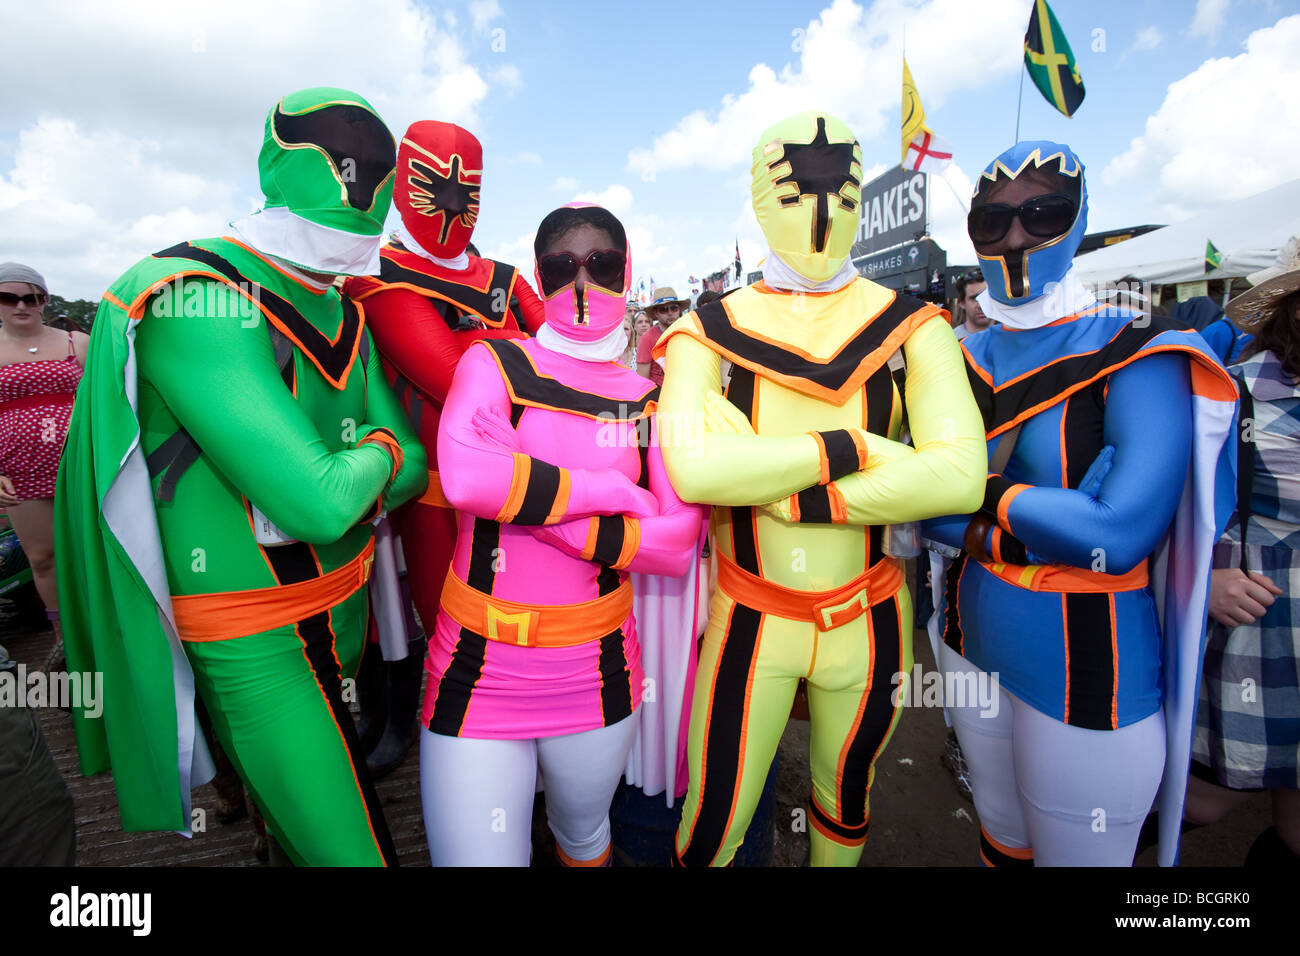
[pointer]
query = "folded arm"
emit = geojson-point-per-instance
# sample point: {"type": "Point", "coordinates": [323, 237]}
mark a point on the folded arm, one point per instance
{"type": "Point", "coordinates": [665, 543]}
{"type": "Point", "coordinates": [221, 382]}
{"type": "Point", "coordinates": [491, 478]}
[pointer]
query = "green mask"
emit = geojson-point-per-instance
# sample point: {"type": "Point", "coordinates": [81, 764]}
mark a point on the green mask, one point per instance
{"type": "Point", "coordinates": [328, 157]}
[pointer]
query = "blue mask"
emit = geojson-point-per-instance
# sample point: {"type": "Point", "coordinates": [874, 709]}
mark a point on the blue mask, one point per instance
{"type": "Point", "coordinates": [1024, 275]}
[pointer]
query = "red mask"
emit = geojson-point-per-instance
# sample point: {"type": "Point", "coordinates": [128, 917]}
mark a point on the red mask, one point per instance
{"type": "Point", "coordinates": [439, 169]}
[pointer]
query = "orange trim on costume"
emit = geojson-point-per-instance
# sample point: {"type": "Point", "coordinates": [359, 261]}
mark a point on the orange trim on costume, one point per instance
{"type": "Point", "coordinates": [744, 738]}
{"type": "Point", "coordinates": [839, 507]}
{"type": "Point", "coordinates": [561, 503]}
{"type": "Point", "coordinates": [1005, 502]}
{"type": "Point", "coordinates": [631, 543]}
{"type": "Point", "coordinates": [433, 493]}
{"type": "Point", "coordinates": [826, 610]}
{"type": "Point", "coordinates": [116, 301]}
{"type": "Point", "coordinates": [1015, 852]}
{"type": "Point", "coordinates": [603, 417]}
{"type": "Point", "coordinates": [830, 834]}
{"type": "Point", "coordinates": [535, 625]}
{"type": "Point", "coordinates": [974, 366]}
{"type": "Point", "coordinates": [518, 487]}
{"type": "Point", "coordinates": [1208, 381]}
{"type": "Point", "coordinates": [593, 530]}
{"type": "Point", "coordinates": [860, 440]}
{"type": "Point", "coordinates": [1065, 410]}
{"type": "Point", "coordinates": [386, 439]}
{"type": "Point", "coordinates": [995, 542]}
{"type": "Point", "coordinates": [566, 860]}
{"type": "Point", "coordinates": [1114, 663]}
{"type": "Point", "coordinates": [1065, 626]}
{"type": "Point", "coordinates": [1054, 578]}
{"type": "Point", "coordinates": [225, 615]}
{"type": "Point", "coordinates": [794, 509]}
{"type": "Point", "coordinates": [704, 746]}
{"type": "Point", "coordinates": [824, 478]}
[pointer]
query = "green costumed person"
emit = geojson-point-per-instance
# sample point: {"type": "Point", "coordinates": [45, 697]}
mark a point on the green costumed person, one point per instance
{"type": "Point", "coordinates": [232, 439]}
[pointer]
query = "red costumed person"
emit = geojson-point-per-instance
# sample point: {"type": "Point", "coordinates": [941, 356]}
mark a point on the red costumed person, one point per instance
{"type": "Point", "coordinates": [431, 300]}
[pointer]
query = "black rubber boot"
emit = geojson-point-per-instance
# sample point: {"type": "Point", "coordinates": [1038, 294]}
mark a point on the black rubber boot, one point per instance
{"type": "Point", "coordinates": [403, 703]}
{"type": "Point", "coordinates": [372, 695]}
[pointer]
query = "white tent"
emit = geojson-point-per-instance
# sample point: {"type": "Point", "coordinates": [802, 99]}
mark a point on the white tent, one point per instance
{"type": "Point", "coordinates": [1248, 232]}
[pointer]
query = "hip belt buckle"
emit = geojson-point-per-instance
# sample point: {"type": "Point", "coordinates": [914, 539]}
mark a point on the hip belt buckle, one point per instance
{"type": "Point", "coordinates": [828, 616]}
{"type": "Point", "coordinates": [520, 624]}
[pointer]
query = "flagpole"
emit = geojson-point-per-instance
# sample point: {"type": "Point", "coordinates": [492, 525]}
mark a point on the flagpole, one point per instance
{"type": "Point", "coordinates": [1020, 99]}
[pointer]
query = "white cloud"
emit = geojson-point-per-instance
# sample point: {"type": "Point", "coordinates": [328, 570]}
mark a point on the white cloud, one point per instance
{"type": "Point", "coordinates": [483, 12]}
{"type": "Point", "coordinates": [1184, 163]}
{"type": "Point", "coordinates": [565, 184]}
{"type": "Point", "coordinates": [1149, 38]}
{"type": "Point", "coordinates": [1209, 18]}
{"type": "Point", "coordinates": [849, 62]}
{"type": "Point", "coordinates": [154, 115]}
{"type": "Point", "coordinates": [616, 198]}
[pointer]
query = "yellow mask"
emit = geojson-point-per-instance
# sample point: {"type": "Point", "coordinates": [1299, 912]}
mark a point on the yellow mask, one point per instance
{"type": "Point", "coordinates": [807, 186]}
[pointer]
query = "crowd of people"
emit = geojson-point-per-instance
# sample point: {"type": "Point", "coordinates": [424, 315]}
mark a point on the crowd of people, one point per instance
{"type": "Point", "coordinates": [612, 543]}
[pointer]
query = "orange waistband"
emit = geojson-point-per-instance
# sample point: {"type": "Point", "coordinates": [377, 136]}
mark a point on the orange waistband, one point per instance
{"type": "Point", "coordinates": [230, 614]}
{"type": "Point", "coordinates": [1065, 579]}
{"type": "Point", "coordinates": [535, 625]}
{"type": "Point", "coordinates": [826, 610]}
{"type": "Point", "coordinates": [433, 494]}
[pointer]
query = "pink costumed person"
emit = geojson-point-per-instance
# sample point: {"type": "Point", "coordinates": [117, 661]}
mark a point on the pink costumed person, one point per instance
{"type": "Point", "coordinates": [551, 459]}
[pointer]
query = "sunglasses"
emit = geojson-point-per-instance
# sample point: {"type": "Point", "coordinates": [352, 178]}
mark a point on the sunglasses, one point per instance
{"type": "Point", "coordinates": [1042, 216]}
{"type": "Point", "coordinates": [605, 266]}
{"type": "Point", "coordinates": [31, 299]}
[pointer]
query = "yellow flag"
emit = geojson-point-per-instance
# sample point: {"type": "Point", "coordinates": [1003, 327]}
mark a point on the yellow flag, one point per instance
{"type": "Point", "coordinates": [913, 111]}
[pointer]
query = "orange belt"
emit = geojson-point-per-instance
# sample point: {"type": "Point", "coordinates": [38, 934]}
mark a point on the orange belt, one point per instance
{"type": "Point", "coordinates": [1065, 579]}
{"type": "Point", "coordinates": [229, 614]}
{"type": "Point", "coordinates": [826, 610]}
{"type": "Point", "coordinates": [534, 625]}
{"type": "Point", "coordinates": [433, 494]}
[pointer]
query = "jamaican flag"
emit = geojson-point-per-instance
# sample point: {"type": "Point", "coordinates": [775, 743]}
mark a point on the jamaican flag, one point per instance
{"type": "Point", "coordinates": [1212, 256]}
{"type": "Point", "coordinates": [1050, 61]}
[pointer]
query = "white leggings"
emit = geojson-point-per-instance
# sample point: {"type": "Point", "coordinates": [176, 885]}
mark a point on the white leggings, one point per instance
{"type": "Point", "coordinates": [1076, 797]}
{"type": "Point", "coordinates": [478, 794]}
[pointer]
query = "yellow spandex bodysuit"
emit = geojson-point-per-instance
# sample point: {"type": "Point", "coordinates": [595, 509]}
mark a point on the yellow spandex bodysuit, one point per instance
{"type": "Point", "coordinates": [802, 462]}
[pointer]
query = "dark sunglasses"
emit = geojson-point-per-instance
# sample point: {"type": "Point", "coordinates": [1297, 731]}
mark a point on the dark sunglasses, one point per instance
{"type": "Point", "coordinates": [31, 299]}
{"type": "Point", "coordinates": [1042, 216]}
{"type": "Point", "coordinates": [605, 266]}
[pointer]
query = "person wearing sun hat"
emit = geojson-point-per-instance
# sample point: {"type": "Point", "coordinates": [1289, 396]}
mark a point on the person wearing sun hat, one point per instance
{"type": "Point", "coordinates": [233, 438]}
{"type": "Point", "coordinates": [1247, 743]}
{"type": "Point", "coordinates": [663, 310]}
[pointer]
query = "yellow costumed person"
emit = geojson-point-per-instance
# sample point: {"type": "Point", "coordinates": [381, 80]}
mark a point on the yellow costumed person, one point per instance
{"type": "Point", "coordinates": [803, 462]}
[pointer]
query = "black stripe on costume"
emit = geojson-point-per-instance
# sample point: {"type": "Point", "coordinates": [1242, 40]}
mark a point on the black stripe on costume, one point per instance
{"type": "Point", "coordinates": [1051, 381]}
{"type": "Point", "coordinates": [615, 680]}
{"type": "Point", "coordinates": [831, 374]}
{"type": "Point", "coordinates": [815, 505]}
{"type": "Point", "coordinates": [318, 642]}
{"type": "Point", "coordinates": [995, 857]}
{"type": "Point", "coordinates": [951, 618]}
{"type": "Point", "coordinates": [1011, 549]}
{"type": "Point", "coordinates": [841, 452]}
{"type": "Point", "coordinates": [849, 835]}
{"type": "Point", "coordinates": [879, 397]}
{"type": "Point", "coordinates": [724, 743]}
{"type": "Point", "coordinates": [877, 716]}
{"type": "Point", "coordinates": [457, 684]}
{"type": "Point", "coordinates": [740, 390]}
{"type": "Point", "coordinates": [875, 544]}
{"type": "Point", "coordinates": [334, 358]}
{"type": "Point", "coordinates": [528, 386]}
{"type": "Point", "coordinates": [1091, 661]}
{"type": "Point", "coordinates": [489, 305]}
{"type": "Point", "coordinates": [609, 539]}
{"type": "Point", "coordinates": [484, 550]}
{"type": "Point", "coordinates": [539, 496]}
{"type": "Point", "coordinates": [607, 581]}
{"type": "Point", "coordinates": [1083, 421]}
{"type": "Point", "coordinates": [744, 545]}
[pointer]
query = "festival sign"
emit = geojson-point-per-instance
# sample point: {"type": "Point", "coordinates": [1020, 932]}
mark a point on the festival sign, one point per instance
{"type": "Point", "coordinates": [893, 210]}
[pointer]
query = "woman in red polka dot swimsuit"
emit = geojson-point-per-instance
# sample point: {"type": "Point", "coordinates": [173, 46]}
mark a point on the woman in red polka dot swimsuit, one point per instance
{"type": "Point", "coordinates": [39, 371]}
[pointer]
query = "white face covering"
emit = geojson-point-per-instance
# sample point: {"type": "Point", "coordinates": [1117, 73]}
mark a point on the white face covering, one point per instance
{"type": "Point", "coordinates": [459, 264]}
{"type": "Point", "coordinates": [278, 232]}
{"type": "Point", "coordinates": [778, 275]}
{"type": "Point", "coordinates": [607, 349]}
{"type": "Point", "coordinates": [1063, 298]}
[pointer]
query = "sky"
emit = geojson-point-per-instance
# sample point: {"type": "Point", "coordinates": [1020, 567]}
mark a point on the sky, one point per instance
{"type": "Point", "coordinates": [130, 125]}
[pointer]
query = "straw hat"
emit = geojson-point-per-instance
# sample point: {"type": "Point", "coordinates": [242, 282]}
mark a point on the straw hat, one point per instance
{"type": "Point", "coordinates": [667, 295]}
{"type": "Point", "coordinates": [1269, 287]}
